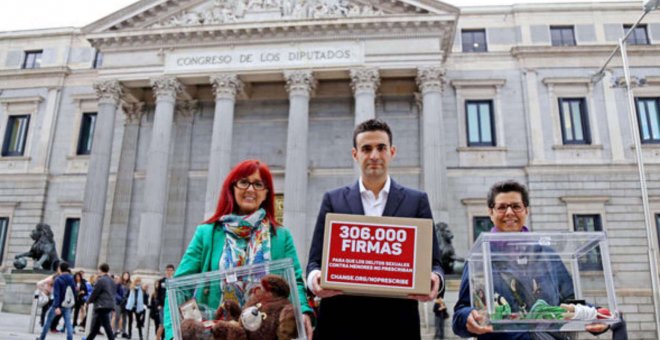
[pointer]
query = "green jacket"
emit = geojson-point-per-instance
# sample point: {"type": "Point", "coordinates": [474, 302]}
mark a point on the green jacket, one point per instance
{"type": "Point", "coordinates": [204, 253]}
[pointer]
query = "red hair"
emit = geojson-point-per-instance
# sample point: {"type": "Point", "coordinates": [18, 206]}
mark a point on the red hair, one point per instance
{"type": "Point", "coordinates": [227, 202]}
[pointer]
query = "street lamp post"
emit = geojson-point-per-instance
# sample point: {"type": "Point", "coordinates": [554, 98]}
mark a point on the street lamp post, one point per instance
{"type": "Point", "coordinates": [648, 6]}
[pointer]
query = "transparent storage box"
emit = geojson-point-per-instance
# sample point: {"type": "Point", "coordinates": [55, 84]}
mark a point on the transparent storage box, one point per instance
{"type": "Point", "coordinates": [533, 273]}
{"type": "Point", "coordinates": [201, 288]}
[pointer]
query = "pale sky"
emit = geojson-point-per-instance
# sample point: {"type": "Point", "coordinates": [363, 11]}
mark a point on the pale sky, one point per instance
{"type": "Point", "coordinates": [34, 14]}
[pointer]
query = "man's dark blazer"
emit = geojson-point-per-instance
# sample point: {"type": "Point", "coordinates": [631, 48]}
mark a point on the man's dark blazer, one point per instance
{"type": "Point", "coordinates": [360, 317]}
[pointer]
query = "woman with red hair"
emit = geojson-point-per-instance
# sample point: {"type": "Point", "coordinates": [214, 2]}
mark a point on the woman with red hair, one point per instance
{"type": "Point", "coordinates": [243, 231]}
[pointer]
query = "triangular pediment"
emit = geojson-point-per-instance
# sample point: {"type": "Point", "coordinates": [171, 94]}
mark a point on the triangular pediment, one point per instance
{"type": "Point", "coordinates": [157, 14]}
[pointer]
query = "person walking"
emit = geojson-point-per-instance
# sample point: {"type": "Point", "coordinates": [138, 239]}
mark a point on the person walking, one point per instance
{"type": "Point", "coordinates": [45, 288]}
{"type": "Point", "coordinates": [125, 314]}
{"type": "Point", "coordinates": [154, 309]}
{"type": "Point", "coordinates": [81, 296]}
{"type": "Point", "coordinates": [117, 324]}
{"type": "Point", "coordinates": [104, 303]}
{"type": "Point", "coordinates": [135, 305]}
{"type": "Point", "coordinates": [63, 301]}
{"type": "Point", "coordinates": [161, 290]}
{"type": "Point", "coordinates": [440, 311]}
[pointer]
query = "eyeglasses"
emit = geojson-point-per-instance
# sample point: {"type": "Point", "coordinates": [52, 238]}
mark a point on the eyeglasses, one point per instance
{"type": "Point", "coordinates": [516, 207]}
{"type": "Point", "coordinates": [243, 184]}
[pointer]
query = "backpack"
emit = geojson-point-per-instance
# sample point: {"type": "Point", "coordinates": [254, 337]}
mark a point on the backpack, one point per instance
{"type": "Point", "coordinates": [69, 299]}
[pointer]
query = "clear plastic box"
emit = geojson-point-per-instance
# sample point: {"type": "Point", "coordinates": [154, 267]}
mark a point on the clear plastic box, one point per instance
{"type": "Point", "coordinates": [181, 290]}
{"type": "Point", "coordinates": [520, 269]}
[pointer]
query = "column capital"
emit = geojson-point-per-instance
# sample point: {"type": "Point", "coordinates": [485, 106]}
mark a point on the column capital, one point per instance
{"type": "Point", "coordinates": [301, 81]}
{"type": "Point", "coordinates": [365, 79]}
{"type": "Point", "coordinates": [108, 91]}
{"type": "Point", "coordinates": [166, 86]}
{"type": "Point", "coordinates": [430, 78]}
{"type": "Point", "coordinates": [419, 101]}
{"type": "Point", "coordinates": [187, 109]}
{"type": "Point", "coordinates": [226, 85]}
{"type": "Point", "coordinates": [133, 112]}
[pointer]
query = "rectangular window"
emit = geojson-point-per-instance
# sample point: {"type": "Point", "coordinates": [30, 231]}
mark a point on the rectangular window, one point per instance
{"type": "Point", "coordinates": [591, 260]}
{"type": "Point", "coordinates": [574, 121]}
{"type": "Point", "coordinates": [480, 224]}
{"type": "Point", "coordinates": [562, 35]}
{"type": "Point", "coordinates": [70, 240]}
{"type": "Point", "coordinates": [638, 37]}
{"type": "Point", "coordinates": [480, 127]}
{"type": "Point", "coordinates": [16, 135]}
{"type": "Point", "coordinates": [32, 59]}
{"type": "Point", "coordinates": [98, 59]}
{"type": "Point", "coordinates": [648, 115]}
{"type": "Point", "coordinates": [4, 228]}
{"type": "Point", "coordinates": [474, 40]}
{"type": "Point", "coordinates": [86, 133]}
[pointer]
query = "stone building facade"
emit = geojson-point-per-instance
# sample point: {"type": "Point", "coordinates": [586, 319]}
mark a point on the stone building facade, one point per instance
{"type": "Point", "coordinates": [170, 94]}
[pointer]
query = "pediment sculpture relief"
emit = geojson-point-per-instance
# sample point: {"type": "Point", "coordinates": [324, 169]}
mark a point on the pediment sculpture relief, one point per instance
{"type": "Point", "coordinates": [230, 11]}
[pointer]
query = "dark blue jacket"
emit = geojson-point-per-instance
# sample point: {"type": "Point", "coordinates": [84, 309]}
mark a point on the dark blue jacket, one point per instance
{"type": "Point", "coordinates": [119, 295]}
{"type": "Point", "coordinates": [59, 288]}
{"type": "Point", "coordinates": [553, 284]}
{"type": "Point", "coordinates": [364, 317]}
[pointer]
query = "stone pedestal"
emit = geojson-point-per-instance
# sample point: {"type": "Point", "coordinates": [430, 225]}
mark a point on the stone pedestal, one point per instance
{"type": "Point", "coordinates": [18, 291]}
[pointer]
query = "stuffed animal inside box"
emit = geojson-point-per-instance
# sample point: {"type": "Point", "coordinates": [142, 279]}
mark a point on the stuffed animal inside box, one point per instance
{"type": "Point", "coordinates": [249, 302]}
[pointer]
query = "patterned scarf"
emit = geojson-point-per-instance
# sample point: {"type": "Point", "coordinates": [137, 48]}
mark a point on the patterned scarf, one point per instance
{"type": "Point", "coordinates": [247, 242]}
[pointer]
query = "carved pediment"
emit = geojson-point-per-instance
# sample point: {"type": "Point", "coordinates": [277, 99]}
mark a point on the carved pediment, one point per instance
{"type": "Point", "coordinates": [157, 14]}
{"type": "Point", "coordinates": [223, 11]}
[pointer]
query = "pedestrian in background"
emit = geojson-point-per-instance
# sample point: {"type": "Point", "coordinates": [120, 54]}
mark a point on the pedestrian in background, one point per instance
{"type": "Point", "coordinates": [135, 305]}
{"type": "Point", "coordinates": [81, 297]}
{"type": "Point", "coordinates": [63, 301]}
{"type": "Point", "coordinates": [103, 298]}
{"type": "Point", "coordinates": [440, 311]}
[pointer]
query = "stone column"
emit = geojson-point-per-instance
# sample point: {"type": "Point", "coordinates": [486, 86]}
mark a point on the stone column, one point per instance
{"type": "Point", "coordinates": [96, 184]}
{"type": "Point", "coordinates": [226, 87]}
{"type": "Point", "coordinates": [121, 208]}
{"type": "Point", "coordinates": [155, 186]}
{"type": "Point", "coordinates": [430, 83]}
{"type": "Point", "coordinates": [365, 82]}
{"type": "Point", "coordinates": [300, 85]}
{"type": "Point", "coordinates": [174, 237]}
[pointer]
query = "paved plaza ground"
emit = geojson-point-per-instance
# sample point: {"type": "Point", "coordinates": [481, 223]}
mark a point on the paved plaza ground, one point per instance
{"type": "Point", "coordinates": [15, 327]}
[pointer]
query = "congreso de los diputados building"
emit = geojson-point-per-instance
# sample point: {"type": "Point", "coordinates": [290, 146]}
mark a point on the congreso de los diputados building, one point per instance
{"type": "Point", "coordinates": [119, 134]}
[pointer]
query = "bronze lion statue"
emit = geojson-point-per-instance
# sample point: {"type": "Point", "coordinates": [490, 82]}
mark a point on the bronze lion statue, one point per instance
{"type": "Point", "coordinates": [449, 261]}
{"type": "Point", "coordinates": [43, 250]}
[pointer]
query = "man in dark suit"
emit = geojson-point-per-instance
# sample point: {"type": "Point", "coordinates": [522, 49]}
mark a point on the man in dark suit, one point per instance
{"type": "Point", "coordinates": [374, 194]}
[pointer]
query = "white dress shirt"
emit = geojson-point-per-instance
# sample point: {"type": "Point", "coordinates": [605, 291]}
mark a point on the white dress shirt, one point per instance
{"type": "Point", "coordinates": [374, 206]}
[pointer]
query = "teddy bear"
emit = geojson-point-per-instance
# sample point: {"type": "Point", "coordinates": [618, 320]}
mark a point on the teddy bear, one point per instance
{"type": "Point", "coordinates": [267, 315]}
{"type": "Point", "coordinates": [274, 308]}
{"type": "Point", "coordinates": [226, 325]}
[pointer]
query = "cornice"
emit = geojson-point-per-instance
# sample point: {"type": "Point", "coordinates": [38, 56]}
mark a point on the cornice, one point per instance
{"type": "Point", "coordinates": [272, 31]}
{"type": "Point", "coordinates": [584, 199]}
{"type": "Point", "coordinates": [522, 52]}
{"type": "Point", "coordinates": [18, 100]}
{"type": "Point", "coordinates": [84, 96]}
{"type": "Point", "coordinates": [459, 83]}
{"type": "Point", "coordinates": [553, 7]}
{"type": "Point", "coordinates": [474, 201]}
{"type": "Point", "coordinates": [566, 80]}
{"type": "Point", "coordinates": [653, 80]}
{"type": "Point", "coordinates": [59, 71]}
